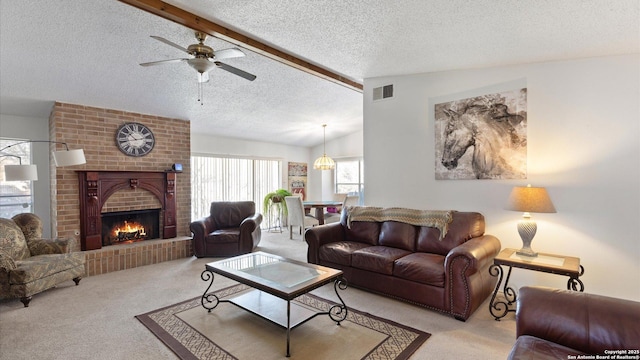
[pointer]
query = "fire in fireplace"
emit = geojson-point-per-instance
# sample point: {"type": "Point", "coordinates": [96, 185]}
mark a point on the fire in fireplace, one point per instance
{"type": "Point", "coordinates": [125, 227]}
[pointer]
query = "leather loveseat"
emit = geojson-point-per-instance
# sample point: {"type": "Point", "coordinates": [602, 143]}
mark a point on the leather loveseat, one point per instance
{"type": "Point", "coordinates": [410, 262]}
{"type": "Point", "coordinates": [562, 324]}
{"type": "Point", "coordinates": [232, 228]}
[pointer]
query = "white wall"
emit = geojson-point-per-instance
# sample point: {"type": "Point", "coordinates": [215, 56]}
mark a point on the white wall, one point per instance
{"type": "Point", "coordinates": [33, 128]}
{"type": "Point", "coordinates": [350, 146]}
{"type": "Point", "coordinates": [583, 146]}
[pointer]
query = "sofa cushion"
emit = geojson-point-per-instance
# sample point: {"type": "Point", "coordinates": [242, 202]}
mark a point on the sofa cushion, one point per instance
{"type": "Point", "coordinates": [378, 259]}
{"type": "Point", "coordinates": [340, 252]}
{"type": "Point", "coordinates": [12, 240]}
{"type": "Point", "coordinates": [421, 267]}
{"type": "Point", "coordinates": [41, 266]}
{"type": "Point", "coordinates": [464, 226]}
{"type": "Point", "coordinates": [398, 235]}
{"type": "Point", "coordinates": [530, 347]}
{"type": "Point", "coordinates": [363, 231]}
{"type": "Point", "coordinates": [223, 236]}
{"type": "Point", "coordinates": [30, 224]}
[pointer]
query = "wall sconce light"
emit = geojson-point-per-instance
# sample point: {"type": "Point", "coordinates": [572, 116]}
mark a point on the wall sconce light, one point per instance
{"type": "Point", "coordinates": [29, 172]}
{"type": "Point", "coordinates": [324, 162]}
{"type": "Point", "coordinates": [529, 199]}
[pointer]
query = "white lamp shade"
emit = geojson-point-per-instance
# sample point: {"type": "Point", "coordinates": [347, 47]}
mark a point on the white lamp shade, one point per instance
{"type": "Point", "coordinates": [324, 163]}
{"type": "Point", "coordinates": [20, 172]}
{"type": "Point", "coordinates": [69, 157]}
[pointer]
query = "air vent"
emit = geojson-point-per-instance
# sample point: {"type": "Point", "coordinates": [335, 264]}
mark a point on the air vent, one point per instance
{"type": "Point", "coordinates": [383, 92]}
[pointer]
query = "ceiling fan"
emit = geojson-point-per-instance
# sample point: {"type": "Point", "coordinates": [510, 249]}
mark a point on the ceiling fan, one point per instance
{"type": "Point", "coordinates": [203, 58]}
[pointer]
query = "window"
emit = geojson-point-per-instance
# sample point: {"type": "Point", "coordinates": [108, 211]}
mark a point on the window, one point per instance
{"type": "Point", "coordinates": [15, 196]}
{"type": "Point", "coordinates": [350, 177]}
{"type": "Point", "coordinates": [231, 179]}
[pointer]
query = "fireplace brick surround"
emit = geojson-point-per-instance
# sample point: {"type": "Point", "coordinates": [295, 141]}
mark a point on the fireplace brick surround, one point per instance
{"type": "Point", "coordinates": [93, 129]}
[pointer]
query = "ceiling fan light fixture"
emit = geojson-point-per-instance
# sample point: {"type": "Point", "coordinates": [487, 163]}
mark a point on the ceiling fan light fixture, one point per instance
{"type": "Point", "coordinates": [200, 64]}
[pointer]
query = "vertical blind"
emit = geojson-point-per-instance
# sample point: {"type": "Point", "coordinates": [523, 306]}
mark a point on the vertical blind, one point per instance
{"type": "Point", "coordinates": [230, 179]}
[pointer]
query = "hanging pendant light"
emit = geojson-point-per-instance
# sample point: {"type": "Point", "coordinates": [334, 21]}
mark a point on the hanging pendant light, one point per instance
{"type": "Point", "coordinates": [324, 162]}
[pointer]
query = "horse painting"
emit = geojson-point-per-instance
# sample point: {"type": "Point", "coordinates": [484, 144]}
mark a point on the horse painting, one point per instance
{"type": "Point", "coordinates": [496, 134]}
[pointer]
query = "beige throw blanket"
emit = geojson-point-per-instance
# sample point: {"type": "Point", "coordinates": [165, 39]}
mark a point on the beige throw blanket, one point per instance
{"type": "Point", "coordinates": [432, 218]}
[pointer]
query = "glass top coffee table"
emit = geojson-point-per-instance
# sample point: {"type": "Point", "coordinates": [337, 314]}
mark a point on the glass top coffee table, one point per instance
{"type": "Point", "coordinates": [283, 280]}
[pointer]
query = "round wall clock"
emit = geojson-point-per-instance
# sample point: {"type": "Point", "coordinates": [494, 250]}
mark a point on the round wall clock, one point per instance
{"type": "Point", "coordinates": [135, 139]}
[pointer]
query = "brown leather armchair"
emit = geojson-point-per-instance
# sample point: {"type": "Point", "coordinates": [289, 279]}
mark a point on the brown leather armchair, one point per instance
{"type": "Point", "coordinates": [233, 228]}
{"type": "Point", "coordinates": [562, 324]}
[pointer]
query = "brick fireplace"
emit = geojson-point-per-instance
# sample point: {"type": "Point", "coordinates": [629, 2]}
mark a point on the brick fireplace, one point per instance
{"type": "Point", "coordinates": [93, 130]}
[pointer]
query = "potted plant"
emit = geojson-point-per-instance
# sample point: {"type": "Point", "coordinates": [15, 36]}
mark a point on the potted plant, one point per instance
{"type": "Point", "coordinates": [276, 199]}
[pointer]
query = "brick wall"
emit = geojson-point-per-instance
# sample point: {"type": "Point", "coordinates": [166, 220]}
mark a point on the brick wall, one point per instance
{"type": "Point", "coordinates": [93, 129]}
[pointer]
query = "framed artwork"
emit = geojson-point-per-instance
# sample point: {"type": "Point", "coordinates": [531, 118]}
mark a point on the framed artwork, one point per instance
{"type": "Point", "coordinates": [298, 178]}
{"type": "Point", "coordinates": [483, 137]}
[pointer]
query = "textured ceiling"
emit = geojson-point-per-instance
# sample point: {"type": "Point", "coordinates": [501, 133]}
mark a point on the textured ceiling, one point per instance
{"type": "Point", "coordinates": [87, 52]}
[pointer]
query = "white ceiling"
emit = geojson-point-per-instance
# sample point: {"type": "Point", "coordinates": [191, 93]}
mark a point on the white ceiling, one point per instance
{"type": "Point", "coordinates": [87, 52]}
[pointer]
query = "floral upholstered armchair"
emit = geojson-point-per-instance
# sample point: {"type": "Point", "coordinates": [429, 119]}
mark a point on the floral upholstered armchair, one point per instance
{"type": "Point", "coordinates": [30, 264]}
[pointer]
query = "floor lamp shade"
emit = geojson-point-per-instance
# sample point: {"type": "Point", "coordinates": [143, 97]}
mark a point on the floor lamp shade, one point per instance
{"type": "Point", "coordinates": [20, 172]}
{"type": "Point", "coordinates": [69, 157]}
{"type": "Point", "coordinates": [527, 200]}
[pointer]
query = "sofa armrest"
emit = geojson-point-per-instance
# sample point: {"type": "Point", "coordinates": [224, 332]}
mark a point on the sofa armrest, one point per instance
{"type": "Point", "coordinates": [51, 246]}
{"type": "Point", "coordinates": [202, 227]}
{"type": "Point", "coordinates": [320, 235]}
{"type": "Point", "coordinates": [467, 278]}
{"type": "Point", "coordinates": [6, 261]}
{"type": "Point", "coordinates": [251, 223]}
{"type": "Point", "coordinates": [479, 253]}
{"type": "Point", "coordinates": [586, 322]}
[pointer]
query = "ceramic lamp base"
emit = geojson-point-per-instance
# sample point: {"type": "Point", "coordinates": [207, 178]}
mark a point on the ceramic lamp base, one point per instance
{"type": "Point", "coordinates": [527, 230]}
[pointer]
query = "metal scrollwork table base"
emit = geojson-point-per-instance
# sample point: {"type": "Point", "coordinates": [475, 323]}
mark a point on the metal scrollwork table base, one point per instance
{"type": "Point", "coordinates": [275, 281]}
{"type": "Point", "coordinates": [549, 263]}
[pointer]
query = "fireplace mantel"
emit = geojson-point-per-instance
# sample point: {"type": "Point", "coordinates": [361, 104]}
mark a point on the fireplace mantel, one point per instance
{"type": "Point", "coordinates": [97, 186]}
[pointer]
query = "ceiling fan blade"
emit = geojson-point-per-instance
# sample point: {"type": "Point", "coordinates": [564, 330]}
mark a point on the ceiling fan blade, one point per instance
{"type": "Point", "coordinates": [170, 43]}
{"type": "Point", "coordinates": [227, 53]}
{"type": "Point", "coordinates": [235, 70]}
{"type": "Point", "coordinates": [203, 77]}
{"type": "Point", "coordinates": [162, 62]}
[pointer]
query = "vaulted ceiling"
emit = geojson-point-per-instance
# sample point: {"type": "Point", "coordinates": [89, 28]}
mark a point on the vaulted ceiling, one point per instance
{"type": "Point", "coordinates": [88, 52]}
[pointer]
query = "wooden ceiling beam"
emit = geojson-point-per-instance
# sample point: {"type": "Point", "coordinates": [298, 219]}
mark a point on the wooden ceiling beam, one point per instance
{"type": "Point", "coordinates": [190, 20]}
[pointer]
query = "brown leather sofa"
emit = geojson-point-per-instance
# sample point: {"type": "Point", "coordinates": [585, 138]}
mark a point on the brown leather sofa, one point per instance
{"type": "Point", "coordinates": [410, 262]}
{"type": "Point", "coordinates": [233, 228]}
{"type": "Point", "coordinates": [561, 324]}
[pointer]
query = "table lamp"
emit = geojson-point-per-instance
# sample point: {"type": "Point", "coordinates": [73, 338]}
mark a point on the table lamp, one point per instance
{"type": "Point", "coordinates": [529, 199]}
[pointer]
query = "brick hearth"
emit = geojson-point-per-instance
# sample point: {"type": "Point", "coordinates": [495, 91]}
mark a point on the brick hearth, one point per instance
{"type": "Point", "coordinates": [129, 256]}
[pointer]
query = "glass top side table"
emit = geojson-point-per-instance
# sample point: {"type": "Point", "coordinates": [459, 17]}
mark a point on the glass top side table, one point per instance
{"type": "Point", "coordinates": [550, 263]}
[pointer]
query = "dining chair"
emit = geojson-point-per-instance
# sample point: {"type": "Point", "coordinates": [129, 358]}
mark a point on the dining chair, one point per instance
{"type": "Point", "coordinates": [350, 200]}
{"type": "Point", "coordinates": [296, 215]}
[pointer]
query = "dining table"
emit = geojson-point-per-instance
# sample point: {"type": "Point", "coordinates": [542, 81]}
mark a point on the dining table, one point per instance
{"type": "Point", "coordinates": [319, 207]}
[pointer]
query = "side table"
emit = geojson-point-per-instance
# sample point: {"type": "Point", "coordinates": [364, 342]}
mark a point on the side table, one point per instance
{"type": "Point", "coordinates": [549, 263]}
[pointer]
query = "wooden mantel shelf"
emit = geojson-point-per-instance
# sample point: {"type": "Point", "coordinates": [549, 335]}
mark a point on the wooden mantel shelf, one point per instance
{"type": "Point", "coordinates": [97, 186]}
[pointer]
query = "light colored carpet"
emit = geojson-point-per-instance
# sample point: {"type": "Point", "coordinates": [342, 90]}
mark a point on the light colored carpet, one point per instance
{"type": "Point", "coordinates": [193, 333]}
{"type": "Point", "coordinates": [96, 320]}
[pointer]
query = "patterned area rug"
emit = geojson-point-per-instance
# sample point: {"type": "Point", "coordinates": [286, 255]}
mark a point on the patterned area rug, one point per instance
{"type": "Point", "coordinates": [229, 332]}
